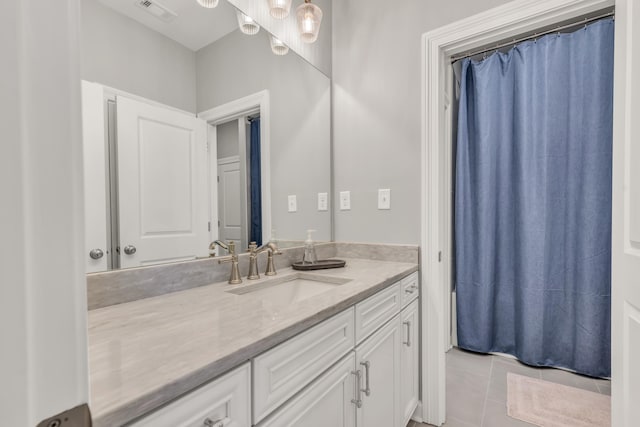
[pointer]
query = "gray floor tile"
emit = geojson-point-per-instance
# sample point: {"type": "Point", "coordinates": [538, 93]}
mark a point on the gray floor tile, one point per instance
{"type": "Point", "coordinates": [495, 415]}
{"type": "Point", "coordinates": [498, 383]}
{"type": "Point", "coordinates": [466, 395]}
{"type": "Point", "coordinates": [604, 389]}
{"type": "Point", "coordinates": [473, 363]}
{"type": "Point", "coordinates": [568, 378]}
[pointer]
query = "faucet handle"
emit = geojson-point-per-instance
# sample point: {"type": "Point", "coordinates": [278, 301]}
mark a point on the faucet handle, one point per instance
{"type": "Point", "coordinates": [271, 267]}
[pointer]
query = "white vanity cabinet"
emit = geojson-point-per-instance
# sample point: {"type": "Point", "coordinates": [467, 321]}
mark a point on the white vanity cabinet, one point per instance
{"type": "Point", "coordinates": [224, 402]}
{"type": "Point", "coordinates": [409, 361]}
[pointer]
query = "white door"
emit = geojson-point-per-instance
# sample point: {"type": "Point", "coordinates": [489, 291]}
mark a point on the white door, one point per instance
{"type": "Point", "coordinates": [625, 307]}
{"type": "Point", "coordinates": [378, 358]}
{"type": "Point", "coordinates": [162, 184]}
{"type": "Point", "coordinates": [326, 403]}
{"type": "Point", "coordinates": [95, 186]}
{"type": "Point", "coordinates": [409, 361]}
{"type": "Point", "coordinates": [230, 201]}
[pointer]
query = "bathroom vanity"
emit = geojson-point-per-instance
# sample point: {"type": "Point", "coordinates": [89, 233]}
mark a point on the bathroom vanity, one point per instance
{"type": "Point", "coordinates": [263, 353]}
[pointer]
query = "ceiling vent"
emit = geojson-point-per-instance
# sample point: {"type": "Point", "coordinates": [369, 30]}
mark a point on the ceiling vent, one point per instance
{"type": "Point", "coordinates": [156, 9]}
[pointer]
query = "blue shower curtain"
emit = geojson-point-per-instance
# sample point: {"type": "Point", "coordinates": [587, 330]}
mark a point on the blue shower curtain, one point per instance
{"type": "Point", "coordinates": [533, 201]}
{"type": "Point", "coordinates": [255, 232]}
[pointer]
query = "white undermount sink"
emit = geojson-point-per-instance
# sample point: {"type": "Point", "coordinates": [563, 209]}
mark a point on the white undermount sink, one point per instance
{"type": "Point", "coordinates": [290, 288]}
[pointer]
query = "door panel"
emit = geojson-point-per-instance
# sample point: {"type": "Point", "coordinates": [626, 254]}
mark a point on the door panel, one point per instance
{"type": "Point", "coordinates": [327, 402]}
{"type": "Point", "coordinates": [409, 361]}
{"type": "Point", "coordinates": [625, 328]}
{"type": "Point", "coordinates": [230, 201]}
{"type": "Point", "coordinates": [95, 186]}
{"type": "Point", "coordinates": [381, 408]}
{"type": "Point", "coordinates": [162, 180]}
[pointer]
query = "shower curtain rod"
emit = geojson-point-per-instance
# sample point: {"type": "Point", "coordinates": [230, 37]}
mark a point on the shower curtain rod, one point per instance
{"type": "Point", "coordinates": [513, 42]}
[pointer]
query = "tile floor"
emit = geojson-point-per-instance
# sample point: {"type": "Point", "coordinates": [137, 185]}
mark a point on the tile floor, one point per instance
{"type": "Point", "coordinates": [477, 388]}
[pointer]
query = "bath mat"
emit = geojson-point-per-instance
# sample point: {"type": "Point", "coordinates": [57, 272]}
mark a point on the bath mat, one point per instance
{"type": "Point", "coordinates": [548, 404]}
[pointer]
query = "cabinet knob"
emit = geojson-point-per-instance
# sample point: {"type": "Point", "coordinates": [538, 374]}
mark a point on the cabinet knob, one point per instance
{"type": "Point", "coordinates": [96, 253]}
{"type": "Point", "coordinates": [130, 250]}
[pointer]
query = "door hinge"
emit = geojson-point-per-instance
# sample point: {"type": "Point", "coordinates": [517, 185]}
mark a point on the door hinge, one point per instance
{"type": "Point", "coordinates": [209, 225]}
{"type": "Point", "coordinates": [440, 256]}
{"type": "Point", "coordinates": [218, 223]}
{"type": "Point", "coordinates": [218, 178]}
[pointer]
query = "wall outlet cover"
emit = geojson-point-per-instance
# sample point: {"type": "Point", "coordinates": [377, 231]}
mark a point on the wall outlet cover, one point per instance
{"type": "Point", "coordinates": [293, 203]}
{"type": "Point", "coordinates": [345, 200]}
{"type": "Point", "coordinates": [384, 198]}
{"type": "Point", "coordinates": [323, 202]}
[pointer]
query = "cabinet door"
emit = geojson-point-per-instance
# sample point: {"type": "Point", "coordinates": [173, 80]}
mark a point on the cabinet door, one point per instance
{"type": "Point", "coordinates": [329, 401]}
{"type": "Point", "coordinates": [378, 360]}
{"type": "Point", "coordinates": [409, 361]}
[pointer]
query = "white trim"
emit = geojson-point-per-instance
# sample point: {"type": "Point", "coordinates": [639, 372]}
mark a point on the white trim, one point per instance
{"type": "Point", "coordinates": [212, 148]}
{"type": "Point", "coordinates": [498, 24]}
{"type": "Point", "coordinates": [113, 93]}
{"type": "Point", "coordinates": [240, 107]}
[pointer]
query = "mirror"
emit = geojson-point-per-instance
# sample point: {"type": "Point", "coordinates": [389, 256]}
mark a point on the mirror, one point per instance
{"type": "Point", "coordinates": [197, 132]}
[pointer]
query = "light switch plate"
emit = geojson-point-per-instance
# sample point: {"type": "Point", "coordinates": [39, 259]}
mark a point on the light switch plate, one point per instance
{"type": "Point", "coordinates": [384, 198]}
{"type": "Point", "coordinates": [323, 202]}
{"type": "Point", "coordinates": [345, 200]}
{"type": "Point", "coordinates": [293, 203]}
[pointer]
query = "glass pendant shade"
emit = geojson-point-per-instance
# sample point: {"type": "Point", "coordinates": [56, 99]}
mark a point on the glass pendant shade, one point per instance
{"type": "Point", "coordinates": [309, 18]}
{"type": "Point", "coordinates": [278, 47]}
{"type": "Point", "coordinates": [209, 4]}
{"type": "Point", "coordinates": [247, 24]}
{"type": "Point", "coordinates": [279, 9]}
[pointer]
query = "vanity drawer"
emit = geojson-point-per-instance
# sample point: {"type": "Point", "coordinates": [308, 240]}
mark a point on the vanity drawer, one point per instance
{"type": "Point", "coordinates": [376, 310]}
{"type": "Point", "coordinates": [286, 369]}
{"type": "Point", "coordinates": [226, 402]}
{"type": "Point", "coordinates": [410, 288]}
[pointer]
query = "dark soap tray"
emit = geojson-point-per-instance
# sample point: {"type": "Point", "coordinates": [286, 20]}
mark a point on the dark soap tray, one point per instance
{"type": "Point", "coordinates": [322, 264]}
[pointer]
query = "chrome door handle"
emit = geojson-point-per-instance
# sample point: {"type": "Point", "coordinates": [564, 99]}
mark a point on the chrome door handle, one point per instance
{"type": "Point", "coordinates": [408, 341]}
{"type": "Point", "coordinates": [96, 253]}
{"type": "Point", "coordinates": [358, 400]}
{"type": "Point", "coordinates": [130, 249]}
{"type": "Point", "coordinates": [367, 389]}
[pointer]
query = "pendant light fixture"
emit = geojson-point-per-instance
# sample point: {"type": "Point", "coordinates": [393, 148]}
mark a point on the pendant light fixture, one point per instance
{"type": "Point", "coordinates": [279, 9]}
{"type": "Point", "coordinates": [278, 47]}
{"type": "Point", "coordinates": [247, 24]}
{"type": "Point", "coordinates": [209, 4]}
{"type": "Point", "coordinates": [309, 18]}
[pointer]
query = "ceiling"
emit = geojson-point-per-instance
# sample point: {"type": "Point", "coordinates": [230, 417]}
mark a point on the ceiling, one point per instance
{"type": "Point", "coordinates": [195, 26]}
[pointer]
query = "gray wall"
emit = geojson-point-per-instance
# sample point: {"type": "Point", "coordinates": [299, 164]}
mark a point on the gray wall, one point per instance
{"type": "Point", "coordinates": [121, 53]}
{"type": "Point", "coordinates": [227, 141]}
{"type": "Point", "coordinates": [239, 65]}
{"type": "Point", "coordinates": [377, 109]}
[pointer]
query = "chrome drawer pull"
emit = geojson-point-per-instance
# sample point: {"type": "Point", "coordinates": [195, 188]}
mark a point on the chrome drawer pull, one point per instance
{"type": "Point", "coordinates": [358, 399]}
{"type": "Point", "coordinates": [408, 341]}
{"type": "Point", "coordinates": [218, 423]}
{"type": "Point", "coordinates": [367, 389]}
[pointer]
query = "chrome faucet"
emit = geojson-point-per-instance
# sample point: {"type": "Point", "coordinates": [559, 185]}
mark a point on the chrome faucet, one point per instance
{"type": "Point", "coordinates": [254, 250]}
{"type": "Point", "coordinates": [234, 275]}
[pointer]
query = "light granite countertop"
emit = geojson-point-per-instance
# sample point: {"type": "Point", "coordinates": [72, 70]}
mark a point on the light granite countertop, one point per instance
{"type": "Point", "coordinates": [145, 353]}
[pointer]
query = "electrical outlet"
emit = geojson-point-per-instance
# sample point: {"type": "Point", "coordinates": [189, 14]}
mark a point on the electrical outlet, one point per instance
{"type": "Point", "coordinates": [293, 203]}
{"type": "Point", "coordinates": [384, 198]}
{"type": "Point", "coordinates": [345, 200]}
{"type": "Point", "coordinates": [323, 202]}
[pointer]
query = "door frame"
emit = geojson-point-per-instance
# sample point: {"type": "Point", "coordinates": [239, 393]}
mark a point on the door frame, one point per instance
{"type": "Point", "coordinates": [233, 110]}
{"type": "Point", "coordinates": [438, 46]}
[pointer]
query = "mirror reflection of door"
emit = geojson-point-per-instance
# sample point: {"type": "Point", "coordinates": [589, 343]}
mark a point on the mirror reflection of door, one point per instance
{"type": "Point", "coordinates": [238, 201]}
